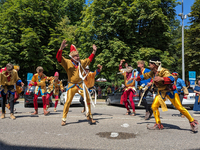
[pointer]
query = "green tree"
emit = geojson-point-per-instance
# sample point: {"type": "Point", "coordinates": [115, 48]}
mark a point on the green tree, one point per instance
{"type": "Point", "coordinates": [26, 27]}
{"type": "Point", "coordinates": [125, 29]}
{"type": "Point", "coordinates": [192, 40]}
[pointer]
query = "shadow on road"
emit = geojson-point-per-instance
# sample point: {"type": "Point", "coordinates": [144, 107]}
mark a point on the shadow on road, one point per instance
{"type": "Point", "coordinates": [4, 146]}
{"type": "Point", "coordinates": [166, 126]}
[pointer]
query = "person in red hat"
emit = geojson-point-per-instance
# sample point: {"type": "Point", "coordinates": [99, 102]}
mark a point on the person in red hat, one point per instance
{"type": "Point", "coordinates": [53, 89]}
{"type": "Point", "coordinates": [74, 68]}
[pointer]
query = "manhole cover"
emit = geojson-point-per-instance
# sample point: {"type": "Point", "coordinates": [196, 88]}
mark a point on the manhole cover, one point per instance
{"type": "Point", "coordinates": [115, 135]}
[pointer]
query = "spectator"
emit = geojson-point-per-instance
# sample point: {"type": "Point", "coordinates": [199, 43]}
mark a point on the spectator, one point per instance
{"type": "Point", "coordinates": [99, 92]}
{"type": "Point", "coordinates": [197, 98]}
{"type": "Point", "coordinates": [116, 87]}
{"type": "Point", "coordinates": [109, 90]}
{"type": "Point", "coordinates": [113, 87]}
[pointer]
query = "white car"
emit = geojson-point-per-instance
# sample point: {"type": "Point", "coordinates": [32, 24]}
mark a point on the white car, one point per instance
{"type": "Point", "coordinates": [188, 100]}
{"type": "Point", "coordinates": [75, 100]}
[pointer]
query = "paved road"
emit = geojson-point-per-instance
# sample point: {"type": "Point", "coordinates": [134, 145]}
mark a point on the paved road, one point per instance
{"type": "Point", "coordinates": [129, 132]}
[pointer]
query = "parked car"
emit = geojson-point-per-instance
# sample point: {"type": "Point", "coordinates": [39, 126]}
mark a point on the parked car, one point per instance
{"type": "Point", "coordinates": [75, 100]}
{"type": "Point", "coordinates": [188, 100]}
{"type": "Point", "coordinates": [28, 99]}
{"type": "Point", "coordinates": [114, 98]}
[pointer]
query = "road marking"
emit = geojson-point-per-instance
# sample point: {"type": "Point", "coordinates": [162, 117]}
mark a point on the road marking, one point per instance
{"type": "Point", "coordinates": [125, 125]}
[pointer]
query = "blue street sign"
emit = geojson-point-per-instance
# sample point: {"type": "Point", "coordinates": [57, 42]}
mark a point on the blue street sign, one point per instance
{"type": "Point", "coordinates": [192, 82]}
{"type": "Point", "coordinates": [192, 75]}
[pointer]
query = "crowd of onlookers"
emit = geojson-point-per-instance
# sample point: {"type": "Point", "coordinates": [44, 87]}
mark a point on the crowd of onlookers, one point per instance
{"type": "Point", "coordinates": [108, 90]}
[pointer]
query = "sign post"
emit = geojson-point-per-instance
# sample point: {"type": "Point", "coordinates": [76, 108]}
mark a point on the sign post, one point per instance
{"type": "Point", "coordinates": [192, 78]}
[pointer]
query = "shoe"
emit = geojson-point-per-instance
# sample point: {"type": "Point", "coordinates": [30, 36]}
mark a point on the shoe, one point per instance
{"type": "Point", "coordinates": [35, 113]}
{"type": "Point", "coordinates": [2, 115]}
{"type": "Point", "coordinates": [155, 127]}
{"type": "Point", "coordinates": [83, 110]}
{"type": "Point", "coordinates": [89, 118]}
{"type": "Point", "coordinates": [133, 114]}
{"type": "Point", "coordinates": [128, 113]}
{"type": "Point", "coordinates": [55, 110]}
{"type": "Point", "coordinates": [194, 126]}
{"type": "Point", "coordinates": [63, 123]}
{"type": "Point", "coordinates": [147, 115]}
{"type": "Point", "coordinates": [12, 116]}
{"type": "Point", "coordinates": [182, 116]}
{"type": "Point", "coordinates": [46, 112]}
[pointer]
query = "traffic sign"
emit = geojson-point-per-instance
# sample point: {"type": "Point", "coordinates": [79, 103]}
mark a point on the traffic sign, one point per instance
{"type": "Point", "coordinates": [192, 75]}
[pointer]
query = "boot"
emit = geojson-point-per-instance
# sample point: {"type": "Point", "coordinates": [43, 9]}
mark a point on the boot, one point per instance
{"type": "Point", "coordinates": [147, 115]}
{"type": "Point", "coordinates": [12, 116]}
{"type": "Point", "coordinates": [35, 113]}
{"type": "Point", "coordinates": [194, 126]}
{"type": "Point", "coordinates": [46, 112]}
{"type": "Point", "coordinates": [151, 113]}
{"type": "Point", "coordinates": [55, 110]}
{"type": "Point", "coordinates": [63, 123]}
{"type": "Point", "coordinates": [156, 127]}
{"type": "Point", "coordinates": [91, 121]}
{"type": "Point", "coordinates": [2, 115]}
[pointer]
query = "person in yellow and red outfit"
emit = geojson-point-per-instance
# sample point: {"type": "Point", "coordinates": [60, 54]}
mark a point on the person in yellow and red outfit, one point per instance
{"type": "Point", "coordinates": [18, 90]}
{"type": "Point", "coordinates": [164, 81]}
{"type": "Point", "coordinates": [75, 82]}
{"type": "Point", "coordinates": [39, 81]}
{"type": "Point", "coordinates": [129, 89]}
{"type": "Point", "coordinates": [53, 89]}
{"type": "Point", "coordinates": [8, 78]}
{"type": "Point", "coordinates": [89, 82]}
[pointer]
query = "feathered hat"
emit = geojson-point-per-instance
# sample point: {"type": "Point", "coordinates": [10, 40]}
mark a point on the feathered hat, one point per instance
{"type": "Point", "coordinates": [73, 50]}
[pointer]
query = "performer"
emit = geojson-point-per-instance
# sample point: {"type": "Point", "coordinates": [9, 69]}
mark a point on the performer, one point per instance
{"type": "Point", "coordinates": [18, 90]}
{"type": "Point", "coordinates": [196, 106]}
{"type": "Point", "coordinates": [142, 84]}
{"type": "Point", "coordinates": [53, 89]}
{"type": "Point", "coordinates": [89, 82]}
{"type": "Point", "coordinates": [75, 85]}
{"type": "Point", "coordinates": [180, 87]}
{"type": "Point", "coordinates": [8, 78]}
{"type": "Point", "coordinates": [129, 89]}
{"type": "Point", "coordinates": [39, 81]}
{"type": "Point", "coordinates": [164, 82]}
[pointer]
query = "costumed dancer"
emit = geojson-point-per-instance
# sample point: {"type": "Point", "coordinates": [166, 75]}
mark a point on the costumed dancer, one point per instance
{"type": "Point", "coordinates": [53, 89]}
{"type": "Point", "coordinates": [164, 81]}
{"type": "Point", "coordinates": [8, 78]}
{"type": "Point", "coordinates": [142, 84]}
{"type": "Point", "coordinates": [129, 89]}
{"type": "Point", "coordinates": [180, 87]}
{"type": "Point", "coordinates": [74, 69]}
{"type": "Point", "coordinates": [18, 90]}
{"type": "Point", "coordinates": [196, 106]}
{"type": "Point", "coordinates": [39, 81]}
{"type": "Point", "coordinates": [89, 82]}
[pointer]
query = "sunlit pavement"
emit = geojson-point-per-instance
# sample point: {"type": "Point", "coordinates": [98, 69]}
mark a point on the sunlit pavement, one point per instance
{"type": "Point", "coordinates": [113, 130]}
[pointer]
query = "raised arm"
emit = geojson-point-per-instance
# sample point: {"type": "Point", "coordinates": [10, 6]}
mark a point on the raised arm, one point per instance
{"type": "Point", "coordinates": [59, 53]}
